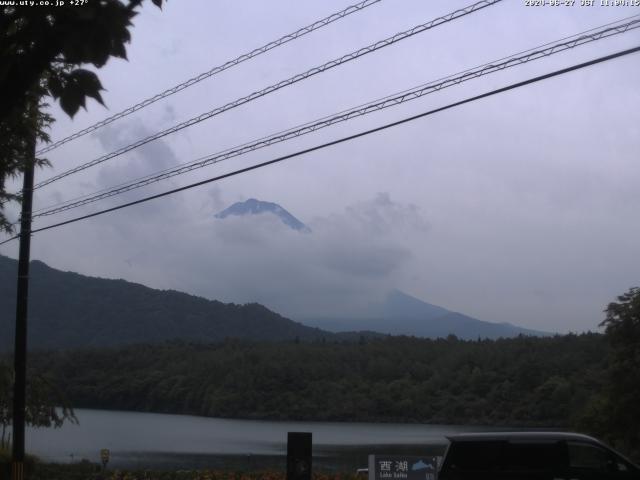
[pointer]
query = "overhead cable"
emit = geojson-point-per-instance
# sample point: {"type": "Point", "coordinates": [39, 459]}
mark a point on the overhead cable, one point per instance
{"type": "Point", "coordinates": [343, 139]}
{"type": "Point", "coordinates": [214, 71]}
{"type": "Point", "coordinates": [277, 86]}
{"type": "Point", "coordinates": [390, 101]}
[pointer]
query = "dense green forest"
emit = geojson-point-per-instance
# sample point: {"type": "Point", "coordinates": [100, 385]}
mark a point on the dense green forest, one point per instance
{"type": "Point", "coordinates": [522, 381]}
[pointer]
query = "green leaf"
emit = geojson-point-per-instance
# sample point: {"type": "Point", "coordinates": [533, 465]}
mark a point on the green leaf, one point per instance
{"type": "Point", "coordinates": [87, 82]}
{"type": "Point", "coordinates": [55, 85]}
{"type": "Point", "coordinates": [118, 50]}
{"type": "Point", "coordinates": [79, 84]}
{"type": "Point", "coordinates": [71, 100]}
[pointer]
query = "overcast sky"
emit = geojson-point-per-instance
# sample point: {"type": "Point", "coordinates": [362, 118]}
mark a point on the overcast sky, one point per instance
{"type": "Point", "coordinates": [518, 208]}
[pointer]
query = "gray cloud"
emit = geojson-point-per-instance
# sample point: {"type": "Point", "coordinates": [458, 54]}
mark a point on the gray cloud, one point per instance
{"type": "Point", "coordinates": [336, 269]}
{"type": "Point", "coordinates": [375, 262]}
{"type": "Point", "coordinates": [339, 268]}
{"type": "Point", "coordinates": [149, 158]}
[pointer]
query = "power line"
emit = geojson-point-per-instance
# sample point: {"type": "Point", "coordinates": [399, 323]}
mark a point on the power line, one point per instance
{"type": "Point", "coordinates": [344, 139]}
{"type": "Point", "coordinates": [207, 159]}
{"type": "Point", "coordinates": [621, 28]}
{"type": "Point", "coordinates": [399, 98]}
{"type": "Point", "coordinates": [309, 127]}
{"type": "Point", "coordinates": [277, 86]}
{"type": "Point", "coordinates": [214, 71]}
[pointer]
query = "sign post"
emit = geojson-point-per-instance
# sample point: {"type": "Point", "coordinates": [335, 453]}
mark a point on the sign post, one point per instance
{"type": "Point", "coordinates": [104, 457]}
{"type": "Point", "coordinates": [299, 456]}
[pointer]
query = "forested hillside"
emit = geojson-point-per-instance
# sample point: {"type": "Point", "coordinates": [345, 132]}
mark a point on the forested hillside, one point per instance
{"type": "Point", "coordinates": [521, 381]}
{"type": "Point", "coordinates": [68, 310]}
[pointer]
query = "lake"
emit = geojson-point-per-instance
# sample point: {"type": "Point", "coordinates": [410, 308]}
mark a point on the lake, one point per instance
{"type": "Point", "coordinates": [149, 440]}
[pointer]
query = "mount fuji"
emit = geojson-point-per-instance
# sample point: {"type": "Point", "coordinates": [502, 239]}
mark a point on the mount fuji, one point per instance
{"type": "Point", "coordinates": [258, 207]}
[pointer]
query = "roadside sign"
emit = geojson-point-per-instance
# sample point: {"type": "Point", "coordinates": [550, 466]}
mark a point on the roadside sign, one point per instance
{"type": "Point", "coordinates": [104, 456]}
{"type": "Point", "coordinates": [402, 467]}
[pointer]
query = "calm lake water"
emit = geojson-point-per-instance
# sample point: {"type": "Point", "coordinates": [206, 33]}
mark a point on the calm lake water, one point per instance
{"type": "Point", "coordinates": [148, 440]}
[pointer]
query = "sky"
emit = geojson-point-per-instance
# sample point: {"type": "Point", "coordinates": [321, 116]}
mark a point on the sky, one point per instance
{"type": "Point", "coordinates": [518, 208]}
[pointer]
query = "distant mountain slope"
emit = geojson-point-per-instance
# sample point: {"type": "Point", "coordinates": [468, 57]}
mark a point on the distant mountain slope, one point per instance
{"type": "Point", "coordinates": [68, 310]}
{"type": "Point", "coordinates": [257, 207]}
{"type": "Point", "coordinates": [402, 314]}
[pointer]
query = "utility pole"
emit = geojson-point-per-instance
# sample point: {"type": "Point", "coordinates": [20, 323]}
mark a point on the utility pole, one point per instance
{"type": "Point", "coordinates": [22, 298]}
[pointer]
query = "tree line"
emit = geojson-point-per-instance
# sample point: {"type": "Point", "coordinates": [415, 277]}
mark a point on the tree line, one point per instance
{"type": "Point", "coordinates": [523, 381]}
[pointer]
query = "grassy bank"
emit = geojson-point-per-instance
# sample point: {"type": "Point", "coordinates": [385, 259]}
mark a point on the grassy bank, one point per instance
{"type": "Point", "coordinates": [90, 471]}
{"type": "Point", "coordinates": [85, 470]}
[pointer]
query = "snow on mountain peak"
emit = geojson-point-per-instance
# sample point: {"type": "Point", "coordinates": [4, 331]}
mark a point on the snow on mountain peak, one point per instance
{"type": "Point", "coordinates": [253, 206]}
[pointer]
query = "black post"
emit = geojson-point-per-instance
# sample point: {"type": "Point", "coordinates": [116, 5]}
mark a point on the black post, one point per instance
{"type": "Point", "coordinates": [20, 352]}
{"type": "Point", "coordinates": [299, 455]}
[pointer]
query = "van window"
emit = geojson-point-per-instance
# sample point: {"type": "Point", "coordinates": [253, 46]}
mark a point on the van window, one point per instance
{"type": "Point", "coordinates": [583, 455]}
{"type": "Point", "coordinates": [475, 456]}
{"type": "Point", "coordinates": [533, 456]}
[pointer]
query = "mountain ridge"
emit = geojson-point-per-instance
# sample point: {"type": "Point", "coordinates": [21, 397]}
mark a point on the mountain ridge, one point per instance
{"type": "Point", "coordinates": [70, 310]}
{"type": "Point", "coordinates": [402, 314]}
